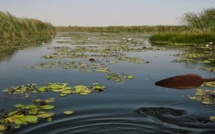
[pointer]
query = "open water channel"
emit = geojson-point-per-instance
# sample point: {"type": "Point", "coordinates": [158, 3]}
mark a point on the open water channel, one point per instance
{"type": "Point", "coordinates": [127, 105]}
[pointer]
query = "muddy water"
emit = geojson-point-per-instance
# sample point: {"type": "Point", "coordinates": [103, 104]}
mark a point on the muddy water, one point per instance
{"type": "Point", "coordinates": [128, 106]}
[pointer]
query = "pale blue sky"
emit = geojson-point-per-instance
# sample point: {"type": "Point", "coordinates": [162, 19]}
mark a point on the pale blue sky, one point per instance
{"type": "Point", "coordinates": [105, 12]}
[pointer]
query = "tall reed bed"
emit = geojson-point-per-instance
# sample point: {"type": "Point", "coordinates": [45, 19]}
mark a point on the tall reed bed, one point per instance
{"type": "Point", "coordinates": [183, 37]}
{"type": "Point", "coordinates": [12, 27]}
{"type": "Point", "coordinates": [200, 28]}
{"type": "Point", "coordinates": [205, 20]}
{"type": "Point", "coordinates": [145, 29]}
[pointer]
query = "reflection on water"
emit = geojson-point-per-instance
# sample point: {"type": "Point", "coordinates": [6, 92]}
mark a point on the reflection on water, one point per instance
{"type": "Point", "coordinates": [8, 49]}
{"type": "Point", "coordinates": [130, 106]}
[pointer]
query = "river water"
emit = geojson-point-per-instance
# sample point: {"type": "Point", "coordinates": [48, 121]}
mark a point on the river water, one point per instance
{"type": "Point", "coordinates": [129, 106]}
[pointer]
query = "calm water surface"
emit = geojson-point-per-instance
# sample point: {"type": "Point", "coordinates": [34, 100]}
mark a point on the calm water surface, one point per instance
{"type": "Point", "coordinates": [131, 106]}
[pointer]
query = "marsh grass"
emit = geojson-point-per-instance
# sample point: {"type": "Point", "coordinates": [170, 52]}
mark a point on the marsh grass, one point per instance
{"type": "Point", "coordinates": [200, 28]}
{"type": "Point", "coordinates": [205, 20]}
{"type": "Point", "coordinates": [183, 37]}
{"type": "Point", "coordinates": [117, 29]}
{"type": "Point", "coordinates": [12, 27]}
{"type": "Point", "coordinates": [8, 48]}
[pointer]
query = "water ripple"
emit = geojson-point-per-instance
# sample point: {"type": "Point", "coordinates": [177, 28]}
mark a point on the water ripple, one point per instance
{"type": "Point", "coordinates": [149, 120]}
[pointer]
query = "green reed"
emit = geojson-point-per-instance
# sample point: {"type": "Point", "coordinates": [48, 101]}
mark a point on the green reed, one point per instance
{"type": "Point", "coordinates": [199, 28]}
{"type": "Point", "coordinates": [183, 37]}
{"type": "Point", "coordinates": [12, 27]}
{"type": "Point", "coordinates": [115, 29]}
{"type": "Point", "coordinates": [205, 20]}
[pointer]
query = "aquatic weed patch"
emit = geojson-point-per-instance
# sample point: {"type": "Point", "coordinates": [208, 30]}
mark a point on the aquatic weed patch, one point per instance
{"type": "Point", "coordinates": [26, 114]}
{"type": "Point", "coordinates": [61, 88]}
{"type": "Point", "coordinates": [203, 55]}
{"type": "Point", "coordinates": [95, 52]}
{"type": "Point", "coordinates": [14, 28]}
{"type": "Point", "coordinates": [38, 109]}
{"type": "Point", "coordinates": [205, 96]}
{"type": "Point", "coordinates": [119, 77]}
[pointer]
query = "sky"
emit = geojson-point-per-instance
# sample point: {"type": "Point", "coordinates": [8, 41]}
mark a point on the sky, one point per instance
{"type": "Point", "coordinates": [105, 12]}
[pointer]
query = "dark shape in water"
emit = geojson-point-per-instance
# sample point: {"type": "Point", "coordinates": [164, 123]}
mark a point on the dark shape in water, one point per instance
{"type": "Point", "coordinates": [188, 81]}
{"type": "Point", "coordinates": [160, 111]}
{"type": "Point", "coordinates": [177, 120]}
{"type": "Point", "coordinates": [92, 60]}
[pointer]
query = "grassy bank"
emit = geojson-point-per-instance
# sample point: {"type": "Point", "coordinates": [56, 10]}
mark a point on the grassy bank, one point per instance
{"type": "Point", "coordinates": [183, 37]}
{"type": "Point", "coordinates": [8, 48]}
{"type": "Point", "coordinates": [12, 27]}
{"type": "Point", "coordinates": [200, 28]}
{"type": "Point", "coordinates": [17, 33]}
{"type": "Point", "coordinates": [116, 29]}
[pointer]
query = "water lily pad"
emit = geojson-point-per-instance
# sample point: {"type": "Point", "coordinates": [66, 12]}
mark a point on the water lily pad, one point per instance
{"type": "Point", "coordinates": [45, 115]}
{"type": "Point", "coordinates": [212, 118]}
{"type": "Point", "coordinates": [19, 105]}
{"type": "Point", "coordinates": [30, 106]}
{"type": "Point", "coordinates": [49, 119]}
{"type": "Point", "coordinates": [50, 100]}
{"type": "Point", "coordinates": [17, 126]}
{"type": "Point", "coordinates": [2, 127]}
{"type": "Point", "coordinates": [68, 112]}
{"type": "Point", "coordinates": [31, 119]}
{"type": "Point", "coordinates": [47, 107]}
{"type": "Point", "coordinates": [33, 111]}
{"type": "Point", "coordinates": [81, 89]}
{"type": "Point", "coordinates": [37, 100]}
{"type": "Point", "coordinates": [66, 91]}
{"type": "Point", "coordinates": [63, 95]}
{"type": "Point", "coordinates": [108, 77]}
{"type": "Point", "coordinates": [98, 87]}
{"type": "Point", "coordinates": [42, 89]}
{"type": "Point", "coordinates": [130, 77]}
{"type": "Point", "coordinates": [204, 96]}
{"type": "Point", "coordinates": [208, 84]}
{"type": "Point", "coordinates": [20, 119]}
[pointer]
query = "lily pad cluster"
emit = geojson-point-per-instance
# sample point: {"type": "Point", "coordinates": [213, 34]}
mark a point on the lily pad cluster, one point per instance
{"type": "Point", "coordinates": [85, 52]}
{"type": "Point", "coordinates": [201, 54]}
{"type": "Point", "coordinates": [210, 69]}
{"type": "Point", "coordinates": [89, 53]}
{"type": "Point", "coordinates": [118, 77]}
{"type": "Point", "coordinates": [209, 84]}
{"type": "Point", "coordinates": [62, 88]}
{"type": "Point", "coordinates": [76, 65]}
{"type": "Point", "coordinates": [39, 108]}
{"type": "Point", "coordinates": [205, 96]}
{"type": "Point", "coordinates": [27, 114]}
{"type": "Point", "coordinates": [195, 58]}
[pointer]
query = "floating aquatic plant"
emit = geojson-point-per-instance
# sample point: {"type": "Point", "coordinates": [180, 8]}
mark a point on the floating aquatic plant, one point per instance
{"type": "Point", "coordinates": [208, 84]}
{"type": "Point", "coordinates": [211, 69]}
{"type": "Point", "coordinates": [40, 108]}
{"type": "Point", "coordinates": [206, 97]}
{"type": "Point", "coordinates": [62, 88]}
{"type": "Point", "coordinates": [26, 114]}
{"type": "Point", "coordinates": [105, 51]}
{"type": "Point", "coordinates": [68, 112]}
{"type": "Point", "coordinates": [118, 77]}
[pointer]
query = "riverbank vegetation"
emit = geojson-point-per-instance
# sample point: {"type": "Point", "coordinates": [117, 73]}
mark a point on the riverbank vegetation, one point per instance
{"type": "Point", "coordinates": [117, 29]}
{"type": "Point", "coordinates": [12, 27]}
{"type": "Point", "coordinates": [192, 37]}
{"type": "Point", "coordinates": [17, 33]}
{"type": "Point", "coordinates": [200, 28]}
